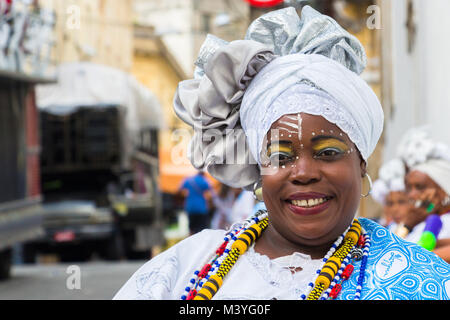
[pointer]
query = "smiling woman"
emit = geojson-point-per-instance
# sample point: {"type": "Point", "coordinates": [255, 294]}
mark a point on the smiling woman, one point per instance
{"type": "Point", "coordinates": [310, 123]}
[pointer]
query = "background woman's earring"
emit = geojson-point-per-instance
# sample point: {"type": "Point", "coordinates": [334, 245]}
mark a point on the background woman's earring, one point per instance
{"type": "Point", "coordinates": [370, 186]}
{"type": "Point", "coordinates": [257, 191]}
{"type": "Point", "coordinates": [446, 201]}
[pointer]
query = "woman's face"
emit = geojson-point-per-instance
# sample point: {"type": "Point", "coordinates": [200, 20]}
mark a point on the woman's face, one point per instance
{"type": "Point", "coordinates": [397, 206]}
{"type": "Point", "coordinates": [419, 186]}
{"type": "Point", "coordinates": [312, 176]}
{"type": "Point", "coordinates": [417, 183]}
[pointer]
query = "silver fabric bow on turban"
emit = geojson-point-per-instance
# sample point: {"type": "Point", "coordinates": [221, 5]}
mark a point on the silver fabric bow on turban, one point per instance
{"type": "Point", "coordinates": [231, 90]}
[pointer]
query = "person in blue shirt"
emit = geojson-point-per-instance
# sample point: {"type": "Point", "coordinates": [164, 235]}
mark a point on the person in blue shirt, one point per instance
{"type": "Point", "coordinates": [196, 205]}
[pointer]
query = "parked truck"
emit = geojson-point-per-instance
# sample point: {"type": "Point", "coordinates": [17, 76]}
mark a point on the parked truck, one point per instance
{"type": "Point", "coordinates": [99, 166]}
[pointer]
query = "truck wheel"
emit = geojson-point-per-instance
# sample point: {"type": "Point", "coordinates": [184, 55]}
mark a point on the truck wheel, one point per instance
{"type": "Point", "coordinates": [5, 264]}
{"type": "Point", "coordinates": [75, 254]}
{"type": "Point", "coordinates": [29, 253]}
{"type": "Point", "coordinates": [113, 248]}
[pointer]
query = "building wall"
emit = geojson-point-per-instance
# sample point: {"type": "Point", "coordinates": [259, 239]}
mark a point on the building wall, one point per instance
{"type": "Point", "coordinates": [184, 24]}
{"type": "Point", "coordinates": [420, 77]}
{"type": "Point", "coordinates": [153, 67]}
{"type": "Point", "coordinates": [156, 74]}
{"type": "Point", "coordinates": [172, 21]}
{"type": "Point", "coordinates": [99, 31]}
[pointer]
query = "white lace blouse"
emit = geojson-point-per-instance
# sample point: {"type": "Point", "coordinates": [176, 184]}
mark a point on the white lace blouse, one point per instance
{"type": "Point", "coordinates": [254, 276]}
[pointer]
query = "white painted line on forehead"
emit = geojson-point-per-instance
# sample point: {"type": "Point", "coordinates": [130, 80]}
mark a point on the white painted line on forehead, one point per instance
{"type": "Point", "coordinates": [289, 131]}
{"type": "Point", "coordinates": [289, 124]}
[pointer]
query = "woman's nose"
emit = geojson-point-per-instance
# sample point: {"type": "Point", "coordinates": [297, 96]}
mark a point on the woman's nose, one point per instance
{"type": "Point", "coordinates": [413, 194]}
{"type": "Point", "coordinates": [305, 171]}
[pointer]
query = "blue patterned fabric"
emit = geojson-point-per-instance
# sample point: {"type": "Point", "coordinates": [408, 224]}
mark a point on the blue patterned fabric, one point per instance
{"type": "Point", "coordinates": [398, 270]}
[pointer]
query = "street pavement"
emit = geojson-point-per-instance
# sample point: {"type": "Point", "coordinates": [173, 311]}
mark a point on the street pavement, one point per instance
{"type": "Point", "coordinates": [96, 280]}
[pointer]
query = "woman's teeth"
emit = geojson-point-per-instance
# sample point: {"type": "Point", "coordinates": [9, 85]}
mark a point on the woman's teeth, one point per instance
{"type": "Point", "coordinates": [308, 203]}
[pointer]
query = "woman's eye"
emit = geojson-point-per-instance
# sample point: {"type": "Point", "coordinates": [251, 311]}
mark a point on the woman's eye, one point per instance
{"type": "Point", "coordinates": [420, 187]}
{"type": "Point", "coordinates": [280, 157]}
{"type": "Point", "coordinates": [329, 153]}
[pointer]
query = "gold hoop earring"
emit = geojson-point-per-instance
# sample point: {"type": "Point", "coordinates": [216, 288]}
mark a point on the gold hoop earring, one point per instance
{"type": "Point", "coordinates": [257, 191]}
{"type": "Point", "coordinates": [370, 186]}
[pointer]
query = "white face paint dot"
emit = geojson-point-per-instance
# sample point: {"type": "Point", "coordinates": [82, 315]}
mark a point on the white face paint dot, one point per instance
{"type": "Point", "coordinates": [331, 131]}
{"type": "Point", "coordinates": [322, 131]}
{"type": "Point", "coordinates": [313, 133]}
{"type": "Point", "coordinates": [296, 157]}
{"type": "Point", "coordinates": [290, 136]}
{"type": "Point", "coordinates": [340, 134]}
{"type": "Point", "coordinates": [301, 146]}
{"type": "Point", "coordinates": [283, 167]}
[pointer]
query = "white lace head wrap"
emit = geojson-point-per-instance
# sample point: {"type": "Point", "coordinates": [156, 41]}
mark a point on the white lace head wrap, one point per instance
{"type": "Point", "coordinates": [311, 62]}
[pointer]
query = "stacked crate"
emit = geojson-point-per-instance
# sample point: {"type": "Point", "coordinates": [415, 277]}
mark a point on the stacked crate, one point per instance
{"type": "Point", "coordinates": [86, 139]}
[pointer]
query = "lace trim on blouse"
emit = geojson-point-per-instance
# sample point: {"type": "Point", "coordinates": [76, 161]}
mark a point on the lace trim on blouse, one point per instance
{"type": "Point", "coordinates": [284, 272]}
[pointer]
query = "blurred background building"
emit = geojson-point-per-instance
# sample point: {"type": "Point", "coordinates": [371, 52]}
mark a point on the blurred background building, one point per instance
{"type": "Point", "coordinates": [155, 42]}
{"type": "Point", "coordinates": [415, 70]}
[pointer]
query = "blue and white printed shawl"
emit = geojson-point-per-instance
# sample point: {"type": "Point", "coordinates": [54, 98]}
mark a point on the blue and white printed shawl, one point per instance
{"type": "Point", "coordinates": [398, 270]}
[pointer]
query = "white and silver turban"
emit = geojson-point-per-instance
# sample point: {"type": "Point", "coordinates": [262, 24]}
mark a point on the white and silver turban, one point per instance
{"type": "Point", "coordinates": [285, 64]}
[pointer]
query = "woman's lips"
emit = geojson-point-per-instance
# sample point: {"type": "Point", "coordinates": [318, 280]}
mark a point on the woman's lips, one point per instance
{"type": "Point", "coordinates": [308, 203]}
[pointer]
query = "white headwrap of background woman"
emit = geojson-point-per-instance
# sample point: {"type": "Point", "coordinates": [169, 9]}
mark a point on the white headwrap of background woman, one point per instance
{"type": "Point", "coordinates": [417, 146]}
{"type": "Point", "coordinates": [422, 152]}
{"type": "Point", "coordinates": [438, 170]}
{"type": "Point", "coordinates": [391, 177]}
{"type": "Point", "coordinates": [242, 85]}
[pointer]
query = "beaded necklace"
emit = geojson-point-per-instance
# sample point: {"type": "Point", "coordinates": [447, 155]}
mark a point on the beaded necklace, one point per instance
{"type": "Point", "coordinates": [208, 280]}
{"type": "Point", "coordinates": [347, 268]}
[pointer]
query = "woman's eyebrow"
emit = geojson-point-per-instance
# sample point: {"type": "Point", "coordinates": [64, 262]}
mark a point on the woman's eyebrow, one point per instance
{"type": "Point", "coordinates": [322, 137]}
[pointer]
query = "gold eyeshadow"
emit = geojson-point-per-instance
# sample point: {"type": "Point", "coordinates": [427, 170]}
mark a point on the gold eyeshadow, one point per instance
{"type": "Point", "coordinates": [284, 147]}
{"type": "Point", "coordinates": [330, 143]}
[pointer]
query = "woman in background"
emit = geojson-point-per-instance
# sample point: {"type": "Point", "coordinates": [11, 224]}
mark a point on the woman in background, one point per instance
{"type": "Point", "coordinates": [427, 162]}
{"type": "Point", "coordinates": [428, 187]}
{"type": "Point", "coordinates": [389, 191]}
{"type": "Point", "coordinates": [223, 203]}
